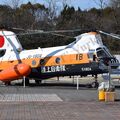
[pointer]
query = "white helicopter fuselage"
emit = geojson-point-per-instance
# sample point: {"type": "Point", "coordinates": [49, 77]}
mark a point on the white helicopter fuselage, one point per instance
{"type": "Point", "coordinates": [72, 59]}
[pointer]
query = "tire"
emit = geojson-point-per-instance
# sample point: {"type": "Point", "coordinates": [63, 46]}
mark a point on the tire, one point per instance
{"type": "Point", "coordinates": [38, 82]}
{"type": "Point", "coordinates": [95, 85]}
{"type": "Point", "coordinates": [7, 83]}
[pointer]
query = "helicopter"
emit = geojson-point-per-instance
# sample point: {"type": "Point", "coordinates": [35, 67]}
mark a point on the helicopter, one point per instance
{"type": "Point", "coordinates": [87, 55]}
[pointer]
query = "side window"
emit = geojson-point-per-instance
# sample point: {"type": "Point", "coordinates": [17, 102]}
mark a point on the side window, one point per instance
{"type": "Point", "coordinates": [90, 55]}
{"type": "Point", "coordinates": [58, 60]}
{"type": "Point", "coordinates": [2, 52]}
{"type": "Point", "coordinates": [42, 62]}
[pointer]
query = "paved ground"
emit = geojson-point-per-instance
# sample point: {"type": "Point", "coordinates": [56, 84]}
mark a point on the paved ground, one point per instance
{"type": "Point", "coordinates": [55, 102]}
{"type": "Point", "coordinates": [59, 111]}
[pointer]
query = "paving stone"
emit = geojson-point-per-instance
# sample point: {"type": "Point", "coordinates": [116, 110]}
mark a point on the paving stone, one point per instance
{"type": "Point", "coordinates": [59, 111]}
{"type": "Point", "coordinates": [55, 103]}
{"type": "Point", "coordinates": [29, 97]}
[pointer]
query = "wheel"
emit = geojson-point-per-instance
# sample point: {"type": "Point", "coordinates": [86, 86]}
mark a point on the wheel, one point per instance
{"type": "Point", "coordinates": [95, 85]}
{"type": "Point", "coordinates": [38, 82]}
{"type": "Point", "coordinates": [7, 83]}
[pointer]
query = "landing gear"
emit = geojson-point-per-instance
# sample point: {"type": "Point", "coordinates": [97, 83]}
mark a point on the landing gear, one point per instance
{"type": "Point", "coordinates": [95, 84]}
{"type": "Point", "coordinates": [7, 83]}
{"type": "Point", "coordinates": [38, 82]}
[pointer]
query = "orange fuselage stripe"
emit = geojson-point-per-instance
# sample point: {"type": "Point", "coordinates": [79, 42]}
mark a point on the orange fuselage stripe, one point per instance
{"type": "Point", "coordinates": [49, 61]}
{"type": "Point", "coordinates": [67, 59]}
{"type": "Point", "coordinates": [32, 62]}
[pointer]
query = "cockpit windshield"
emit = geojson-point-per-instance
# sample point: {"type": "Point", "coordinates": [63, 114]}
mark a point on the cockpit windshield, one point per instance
{"type": "Point", "coordinates": [101, 52]}
{"type": "Point", "coordinates": [18, 41]}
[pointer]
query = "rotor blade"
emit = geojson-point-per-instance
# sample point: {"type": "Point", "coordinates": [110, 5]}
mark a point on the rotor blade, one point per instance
{"type": "Point", "coordinates": [62, 35]}
{"type": "Point", "coordinates": [55, 31]}
{"type": "Point", "coordinates": [20, 29]}
{"type": "Point", "coordinates": [115, 34]}
{"type": "Point", "coordinates": [27, 33]}
{"type": "Point", "coordinates": [32, 32]}
{"type": "Point", "coordinates": [110, 34]}
{"type": "Point", "coordinates": [65, 31]}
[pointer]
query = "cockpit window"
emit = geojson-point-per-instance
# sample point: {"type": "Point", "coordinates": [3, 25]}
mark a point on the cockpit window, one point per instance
{"type": "Point", "coordinates": [18, 41]}
{"type": "Point", "coordinates": [107, 51]}
{"type": "Point", "coordinates": [101, 53]}
{"type": "Point", "coordinates": [2, 52]}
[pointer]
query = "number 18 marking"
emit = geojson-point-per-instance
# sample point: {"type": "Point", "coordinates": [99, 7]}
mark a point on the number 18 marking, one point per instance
{"type": "Point", "coordinates": [79, 56]}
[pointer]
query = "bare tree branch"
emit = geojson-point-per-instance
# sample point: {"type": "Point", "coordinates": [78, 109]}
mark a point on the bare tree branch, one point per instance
{"type": "Point", "coordinates": [12, 3]}
{"type": "Point", "coordinates": [115, 3]}
{"type": "Point", "coordinates": [101, 3]}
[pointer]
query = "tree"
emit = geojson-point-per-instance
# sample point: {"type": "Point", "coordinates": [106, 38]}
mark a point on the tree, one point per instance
{"type": "Point", "coordinates": [65, 2]}
{"type": "Point", "coordinates": [101, 3]}
{"type": "Point", "coordinates": [36, 13]}
{"type": "Point", "coordinates": [115, 3]}
{"type": "Point", "coordinates": [13, 3]}
{"type": "Point", "coordinates": [6, 15]}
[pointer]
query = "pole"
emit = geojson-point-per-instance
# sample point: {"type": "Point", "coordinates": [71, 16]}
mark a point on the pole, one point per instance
{"type": "Point", "coordinates": [24, 81]}
{"type": "Point", "coordinates": [58, 78]}
{"type": "Point", "coordinates": [77, 82]}
{"type": "Point", "coordinates": [109, 74]}
{"type": "Point", "coordinates": [73, 80]}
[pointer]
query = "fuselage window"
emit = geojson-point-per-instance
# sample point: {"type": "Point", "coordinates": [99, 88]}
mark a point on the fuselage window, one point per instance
{"type": "Point", "coordinates": [90, 55]}
{"type": "Point", "coordinates": [57, 60]}
{"type": "Point", "coordinates": [2, 53]}
{"type": "Point", "coordinates": [42, 62]}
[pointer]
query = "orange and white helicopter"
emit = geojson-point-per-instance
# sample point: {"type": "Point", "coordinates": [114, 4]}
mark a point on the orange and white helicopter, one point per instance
{"type": "Point", "coordinates": [85, 56]}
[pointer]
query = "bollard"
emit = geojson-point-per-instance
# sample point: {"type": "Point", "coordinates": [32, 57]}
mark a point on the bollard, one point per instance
{"type": "Point", "coordinates": [101, 95]}
{"type": "Point", "coordinates": [110, 96]}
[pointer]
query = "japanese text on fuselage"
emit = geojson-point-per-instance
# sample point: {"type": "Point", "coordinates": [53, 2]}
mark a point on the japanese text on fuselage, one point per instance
{"type": "Point", "coordinates": [47, 69]}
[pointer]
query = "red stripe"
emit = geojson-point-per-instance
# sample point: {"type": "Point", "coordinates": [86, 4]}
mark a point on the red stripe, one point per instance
{"type": "Point", "coordinates": [1, 41]}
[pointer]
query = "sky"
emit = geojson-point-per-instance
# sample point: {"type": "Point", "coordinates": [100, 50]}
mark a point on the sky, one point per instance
{"type": "Point", "coordinates": [83, 4]}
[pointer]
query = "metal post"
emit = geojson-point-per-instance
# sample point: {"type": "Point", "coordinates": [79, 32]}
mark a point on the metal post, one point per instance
{"type": "Point", "coordinates": [58, 78]}
{"type": "Point", "coordinates": [77, 82]}
{"type": "Point", "coordinates": [109, 69]}
{"type": "Point", "coordinates": [24, 81]}
{"type": "Point", "coordinates": [73, 80]}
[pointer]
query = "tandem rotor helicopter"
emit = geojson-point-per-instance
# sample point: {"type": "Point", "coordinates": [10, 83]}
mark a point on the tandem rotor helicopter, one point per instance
{"type": "Point", "coordinates": [85, 56]}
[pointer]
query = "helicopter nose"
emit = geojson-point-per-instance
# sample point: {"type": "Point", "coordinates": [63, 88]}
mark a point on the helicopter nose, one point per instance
{"type": "Point", "coordinates": [114, 62]}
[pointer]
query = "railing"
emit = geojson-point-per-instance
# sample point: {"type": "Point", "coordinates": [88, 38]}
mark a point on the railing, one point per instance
{"type": "Point", "coordinates": [114, 74]}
